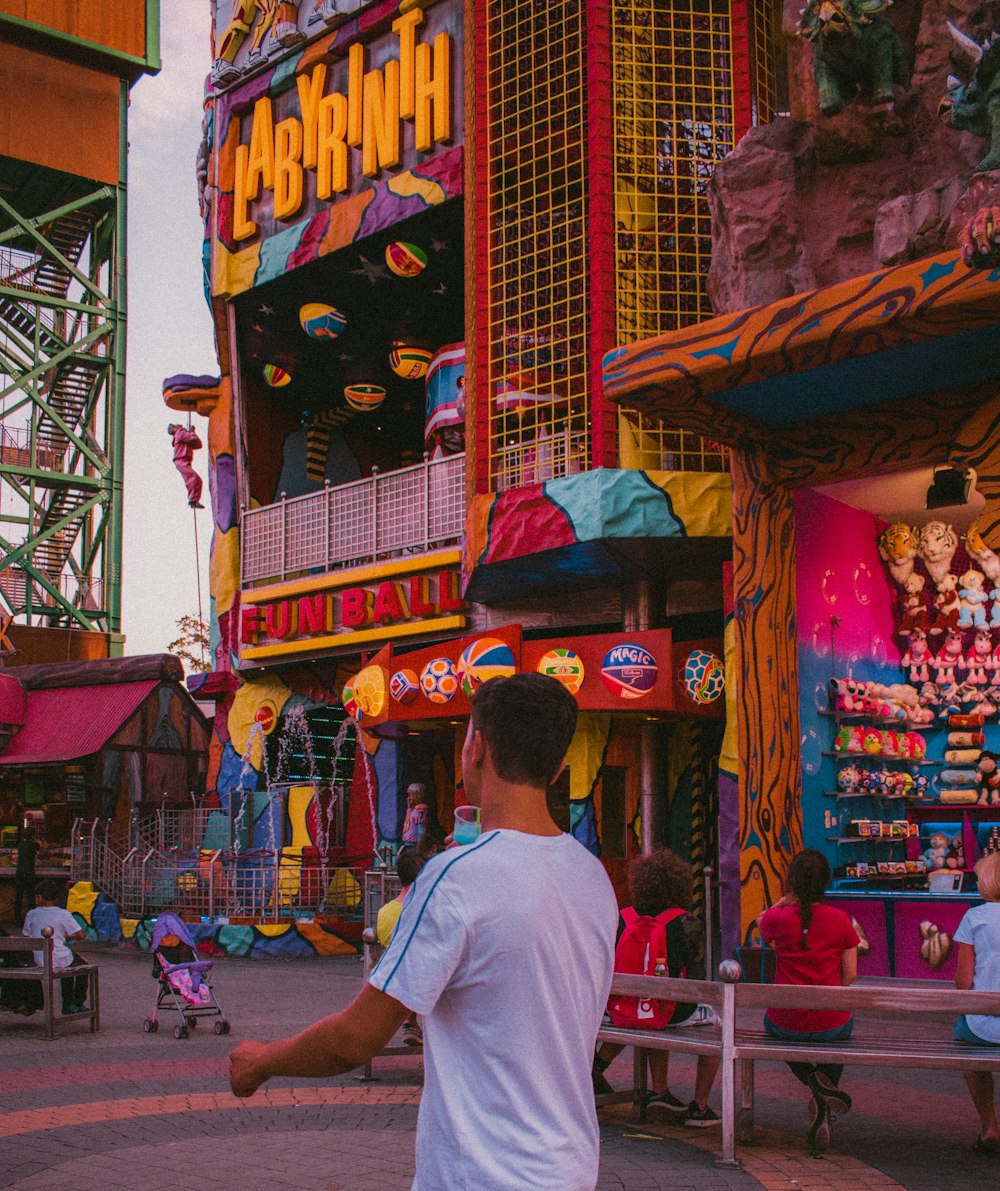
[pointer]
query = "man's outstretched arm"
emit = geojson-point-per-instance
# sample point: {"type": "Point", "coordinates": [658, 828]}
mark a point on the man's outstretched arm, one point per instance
{"type": "Point", "coordinates": [329, 1047]}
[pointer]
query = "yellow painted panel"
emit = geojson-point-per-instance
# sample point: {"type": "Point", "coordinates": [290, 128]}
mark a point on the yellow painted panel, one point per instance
{"type": "Point", "coordinates": [336, 640]}
{"type": "Point", "coordinates": [353, 578]}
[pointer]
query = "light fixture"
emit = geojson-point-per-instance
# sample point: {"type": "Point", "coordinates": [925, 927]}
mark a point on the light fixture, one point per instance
{"type": "Point", "coordinates": [949, 487]}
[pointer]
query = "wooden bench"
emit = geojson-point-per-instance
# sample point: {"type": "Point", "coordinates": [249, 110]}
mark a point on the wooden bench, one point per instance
{"type": "Point", "coordinates": [909, 1043]}
{"type": "Point", "coordinates": [689, 1040]}
{"type": "Point", "coordinates": [908, 1040]}
{"type": "Point", "coordinates": [48, 976]}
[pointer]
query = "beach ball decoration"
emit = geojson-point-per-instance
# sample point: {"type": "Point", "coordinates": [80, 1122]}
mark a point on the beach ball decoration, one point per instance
{"type": "Point", "coordinates": [629, 671]}
{"type": "Point", "coordinates": [564, 666]}
{"type": "Point", "coordinates": [364, 398]}
{"type": "Point", "coordinates": [369, 692]}
{"type": "Point", "coordinates": [320, 321]}
{"type": "Point", "coordinates": [405, 260]}
{"type": "Point", "coordinates": [409, 362]}
{"type": "Point", "coordinates": [403, 686]}
{"type": "Point", "coordinates": [347, 698]}
{"type": "Point", "coordinates": [276, 377]}
{"type": "Point", "coordinates": [482, 660]}
{"type": "Point", "coordinates": [438, 680]}
{"type": "Point", "coordinates": [704, 676]}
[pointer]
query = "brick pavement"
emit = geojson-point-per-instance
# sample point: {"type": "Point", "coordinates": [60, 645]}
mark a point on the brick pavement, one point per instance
{"type": "Point", "coordinates": [125, 1110]}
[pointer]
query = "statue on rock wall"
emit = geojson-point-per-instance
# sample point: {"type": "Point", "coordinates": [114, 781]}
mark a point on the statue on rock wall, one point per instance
{"type": "Point", "coordinates": [856, 52]}
{"type": "Point", "coordinates": [974, 106]}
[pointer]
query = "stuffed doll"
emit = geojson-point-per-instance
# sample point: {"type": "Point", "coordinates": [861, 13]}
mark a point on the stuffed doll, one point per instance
{"type": "Point", "coordinates": [917, 745]}
{"type": "Point", "coordinates": [955, 857]}
{"type": "Point", "coordinates": [897, 547]}
{"type": "Point", "coordinates": [981, 554]}
{"type": "Point", "coordinates": [849, 740]}
{"type": "Point", "coordinates": [937, 852]}
{"type": "Point", "coordinates": [979, 659]}
{"type": "Point", "coordinates": [973, 598]}
{"type": "Point", "coordinates": [937, 547]}
{"type": "Point", "coordinates": [874, 742]}
{"type": "Point", "coordinates": [949, 659]}
{"type": "Point", "coordinates": [918, 657]}
{"type": "Point", "coordinates": [947, 603]}
{"type": "Point", "coordinates": [989, 779]}
{"type": "Point", "coordinates": [914, 604]}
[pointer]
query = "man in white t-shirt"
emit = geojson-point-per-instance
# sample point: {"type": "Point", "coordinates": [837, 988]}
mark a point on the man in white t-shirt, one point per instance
{"type": "Point", "coordinates": [65, 929]}
{"type": "Point", "coordinates": [504, 947]}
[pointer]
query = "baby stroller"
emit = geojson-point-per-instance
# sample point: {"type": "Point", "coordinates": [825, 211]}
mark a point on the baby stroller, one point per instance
{"type": "Point", "coordinates": [181, 979]}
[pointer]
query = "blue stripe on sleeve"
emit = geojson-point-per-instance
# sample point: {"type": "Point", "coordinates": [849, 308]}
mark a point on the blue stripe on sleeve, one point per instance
{"type": "Point", "coordinates": [465, 851]}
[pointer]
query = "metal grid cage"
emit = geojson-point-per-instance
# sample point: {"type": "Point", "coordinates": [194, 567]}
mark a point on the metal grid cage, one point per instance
{"type": "Point", "coordinates": [537, 366]}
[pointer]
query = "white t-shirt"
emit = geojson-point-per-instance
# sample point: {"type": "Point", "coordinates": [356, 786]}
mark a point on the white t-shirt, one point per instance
{"type": "Point", "coordinates": [980, 926]}
{"type": "Point", "coordinates": [505, 947]}
{"type": "Point", "coordinates": [63, 925]}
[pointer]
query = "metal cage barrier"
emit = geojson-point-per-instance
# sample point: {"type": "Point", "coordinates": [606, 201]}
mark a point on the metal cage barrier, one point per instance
{"type": "Point", "coordinates": [261, 884]}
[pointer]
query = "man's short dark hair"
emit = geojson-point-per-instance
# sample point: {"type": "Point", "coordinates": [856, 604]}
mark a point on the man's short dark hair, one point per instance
{"type": "Point", "coordinates": [50, 891]}
{"type": "Point", "coordinates": [409, 862]}
{"type": "Point", "coordinates": [528, 721]}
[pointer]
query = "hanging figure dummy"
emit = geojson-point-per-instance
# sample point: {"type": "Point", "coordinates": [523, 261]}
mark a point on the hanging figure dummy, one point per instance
{"type": "Point", "coordinates": [186, 442]}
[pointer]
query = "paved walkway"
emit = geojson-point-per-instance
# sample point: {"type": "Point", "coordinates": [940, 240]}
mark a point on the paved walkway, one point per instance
{"type": "Point", "coordinates": [126, 1110]}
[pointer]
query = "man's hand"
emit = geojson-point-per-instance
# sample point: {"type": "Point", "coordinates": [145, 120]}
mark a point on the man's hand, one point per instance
{"type": "Point", "coordinates": [245, 1068]}
{"type": "Point", "coordinates": [979, 240]}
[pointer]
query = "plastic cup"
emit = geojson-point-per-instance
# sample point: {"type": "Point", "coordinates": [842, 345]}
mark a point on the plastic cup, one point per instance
{"type": "Point", "coordinates": [467, 824]}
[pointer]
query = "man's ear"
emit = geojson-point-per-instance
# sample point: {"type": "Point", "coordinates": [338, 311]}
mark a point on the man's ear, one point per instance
{"type": "Point", "coordinates": [478, 748]}
{"type": "Point", "coordinates": [556, 775]}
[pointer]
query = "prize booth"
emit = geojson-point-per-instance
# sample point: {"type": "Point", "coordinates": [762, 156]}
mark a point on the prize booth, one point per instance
{"type": "Point", "coordinates": [862, 422]}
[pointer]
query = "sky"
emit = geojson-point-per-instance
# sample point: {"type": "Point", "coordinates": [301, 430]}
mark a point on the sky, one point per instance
{"type": "Point", "coordinates": [169, 331]}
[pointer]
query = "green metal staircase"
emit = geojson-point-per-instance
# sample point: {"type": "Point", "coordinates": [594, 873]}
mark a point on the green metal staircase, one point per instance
{"type": "Point", "coordinates": [61, 360]}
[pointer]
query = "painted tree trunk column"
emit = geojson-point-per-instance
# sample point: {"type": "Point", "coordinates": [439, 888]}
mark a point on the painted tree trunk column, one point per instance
{"type": "Point", "coordinates": [637, 617]}
{"type": "Point", "coordinates": [770, 778]}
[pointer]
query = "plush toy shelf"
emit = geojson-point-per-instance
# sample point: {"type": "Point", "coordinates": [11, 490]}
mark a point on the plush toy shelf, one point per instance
{"type": "Point", "coordinates": [878, 722]}
{"type": "Point", "coordinates": [880, 757]}
{"type": "Point", "coordinates": [869, 839]}
{"type": "Point", "coordinates": [903, 799]}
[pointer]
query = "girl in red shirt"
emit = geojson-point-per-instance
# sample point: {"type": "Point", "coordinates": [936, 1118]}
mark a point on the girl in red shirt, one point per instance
{"type": "Point", "coordinates": [815, 944]}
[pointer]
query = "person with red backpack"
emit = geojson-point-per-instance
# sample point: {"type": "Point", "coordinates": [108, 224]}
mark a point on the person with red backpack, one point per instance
{"type": "Point", "coordinates": [658, 931]}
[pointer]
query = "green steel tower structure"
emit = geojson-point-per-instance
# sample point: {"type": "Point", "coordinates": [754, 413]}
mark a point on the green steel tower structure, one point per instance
{"type": "Point", "coordinates": [65, 81]}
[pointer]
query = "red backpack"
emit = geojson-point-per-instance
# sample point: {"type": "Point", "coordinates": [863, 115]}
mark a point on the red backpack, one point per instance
{"type": "Point", "coordinates": [642, 943]}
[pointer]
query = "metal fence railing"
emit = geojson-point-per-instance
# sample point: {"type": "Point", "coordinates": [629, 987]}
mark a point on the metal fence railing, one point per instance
{"type": "Point", "coordinates": [261, 884]}
{"type": "Point", "coordinates": [415, 509]}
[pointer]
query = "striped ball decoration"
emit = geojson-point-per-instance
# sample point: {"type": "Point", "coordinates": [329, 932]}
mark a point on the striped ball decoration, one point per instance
{"type": "Point", "coordinates": [438, 680]}
{"type": "Point", "coordinates": [484, 659]}
{"type": "Point", "coordinates": [564, 666]}
{"type": "Point", "coordinates": [320, 321]}
{"type": "Point", "coordinates": [403, 686]}
{"type": "Point", "coordinates": [409, 362]}
{"type": "Point", "coordinates": [704, 676]}
{"type": "Point", "coordinates": [347, 698]}
{"type": "Point", "coordinates": [405, 260]}
{"type": "Point", "coordinates": [364, 398]}
{"type": "Point", "coordinates": [276, 377]}
{"type": "Point", "coordinates": [629, 671]}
